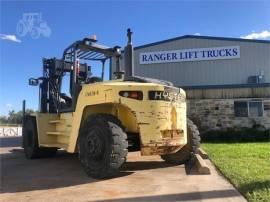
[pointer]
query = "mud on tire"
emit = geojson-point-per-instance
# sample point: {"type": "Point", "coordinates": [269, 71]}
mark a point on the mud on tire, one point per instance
{"type": "Point", "coordinates": [102, 146]}
{"type": "Point", "coordinates": [192, 146]}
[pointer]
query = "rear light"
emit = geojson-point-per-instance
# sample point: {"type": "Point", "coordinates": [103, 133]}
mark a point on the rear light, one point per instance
{"type": "Point", "coordinates": [138, 95]}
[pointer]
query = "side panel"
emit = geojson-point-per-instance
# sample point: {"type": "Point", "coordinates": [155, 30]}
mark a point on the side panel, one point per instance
{"type": "Point", "coordinates": [161, 124]}
{"type": "Point", "coordinates": [127, 117]}
{"type": "Point", "coordinates": [54, 129]}
{"type": "Point", "coordinates": [43, 127]}
{"type": "Point", "coordinates": [89, 95]}
{"type": "Point", "coordinates": [98, 98]}
{"type": "Point", "coordinates": [121, 112]}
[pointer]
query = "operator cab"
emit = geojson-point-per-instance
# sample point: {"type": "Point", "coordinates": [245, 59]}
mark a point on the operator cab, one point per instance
{"type": "Point", "coordinates": [62, 79]}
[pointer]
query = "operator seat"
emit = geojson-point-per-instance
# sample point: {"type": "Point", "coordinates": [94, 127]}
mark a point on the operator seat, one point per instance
{"type": "Point", "coordinates": [65, 100]}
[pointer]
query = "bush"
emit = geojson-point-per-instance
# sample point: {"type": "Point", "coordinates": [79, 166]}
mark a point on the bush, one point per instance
{"type": "Point", "coordinates": [237, 135]}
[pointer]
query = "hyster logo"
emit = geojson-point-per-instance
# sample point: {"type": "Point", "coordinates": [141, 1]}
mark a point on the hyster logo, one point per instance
{"type": "Point", "coordinates": [169, 96]}
{"type": "Point", "coordinates": [216, 53]}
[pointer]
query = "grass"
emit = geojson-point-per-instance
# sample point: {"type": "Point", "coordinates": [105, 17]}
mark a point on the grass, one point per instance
{"type": "Point", "coordinates": [246, 165]}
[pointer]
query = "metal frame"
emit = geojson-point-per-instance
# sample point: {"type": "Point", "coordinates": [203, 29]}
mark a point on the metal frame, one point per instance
{"type": "Point", "coordinates": [86, 49]}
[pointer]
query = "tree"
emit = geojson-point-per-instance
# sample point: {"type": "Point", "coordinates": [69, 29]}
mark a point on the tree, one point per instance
{"type": "Point", "coordinates": [3, 120]}
{"type": "Point", "coordinates": [14, 117]}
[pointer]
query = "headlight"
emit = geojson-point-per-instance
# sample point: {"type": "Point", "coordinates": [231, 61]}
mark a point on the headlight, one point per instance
{"type": "Point", "coordinates": [138, 95]}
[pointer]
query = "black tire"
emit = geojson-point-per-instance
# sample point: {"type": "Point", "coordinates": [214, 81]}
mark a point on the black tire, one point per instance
{"type": "Point", "coordinates": [102, 146]}
{"type": "Point", "coordinates": [191, 148]}
{"type": "Point", "coordinates": [30, 141]}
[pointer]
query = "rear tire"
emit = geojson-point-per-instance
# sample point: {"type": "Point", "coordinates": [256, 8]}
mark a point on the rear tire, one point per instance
{"type": "Point", "coordinates": [30, 141]}
{"type": "Point", "coordinates": [191, 148]}
{"type": "Point", "coordinates": [102, 146]}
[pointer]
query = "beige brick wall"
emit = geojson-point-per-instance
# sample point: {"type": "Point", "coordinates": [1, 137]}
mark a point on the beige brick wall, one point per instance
{"type": "Point", "coordinates": [218, 114]}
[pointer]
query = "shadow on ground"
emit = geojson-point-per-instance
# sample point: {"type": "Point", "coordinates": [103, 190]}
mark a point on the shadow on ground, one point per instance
{"type": "Point", "coordinates": [145, 165]}
{"type": "Point", "coordinates": [255, 186]}
{"type": "Point", "coordinates": [63, 170]}
{"type": "Point", "coordinates": [192, 196]}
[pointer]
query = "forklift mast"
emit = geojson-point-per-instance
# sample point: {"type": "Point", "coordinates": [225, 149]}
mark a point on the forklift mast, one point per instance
{"type": "Point", "coordinates": [50, 88]}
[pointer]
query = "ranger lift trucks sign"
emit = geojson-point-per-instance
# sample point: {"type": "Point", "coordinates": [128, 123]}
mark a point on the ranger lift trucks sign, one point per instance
{"type": "Point", "coordinates": [197, 54]}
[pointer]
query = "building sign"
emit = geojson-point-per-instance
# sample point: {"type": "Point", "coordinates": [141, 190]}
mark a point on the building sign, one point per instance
{"type": "Point", "coordinates": [196, 54]}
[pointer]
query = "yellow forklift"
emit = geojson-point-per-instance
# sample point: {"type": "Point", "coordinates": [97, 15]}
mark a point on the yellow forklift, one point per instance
{"type": "Point", "coordinates": [103, 120]}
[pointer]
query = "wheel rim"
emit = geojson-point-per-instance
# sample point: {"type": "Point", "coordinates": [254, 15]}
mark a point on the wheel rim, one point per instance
{"type": "Point", "coordinates": [95, 145]}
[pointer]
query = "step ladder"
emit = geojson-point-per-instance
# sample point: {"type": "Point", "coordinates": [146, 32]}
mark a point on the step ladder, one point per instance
{"type": "Point", "coordinates": [57, 133]}
{"type": "Point", "coordinates": [57, 121]}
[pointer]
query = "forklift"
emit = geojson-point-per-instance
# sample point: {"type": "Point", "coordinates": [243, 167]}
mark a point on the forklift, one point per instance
{"type": "Point", "coordinates": [103, 120]}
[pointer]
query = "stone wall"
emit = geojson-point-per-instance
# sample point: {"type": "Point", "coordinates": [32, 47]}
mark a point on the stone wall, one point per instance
{"type": "Point", "coordinates": [218, 114]}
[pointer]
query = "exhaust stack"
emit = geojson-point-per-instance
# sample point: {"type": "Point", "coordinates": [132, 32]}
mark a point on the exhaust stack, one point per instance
{"type": "Point", "coordinates": [129, 56]}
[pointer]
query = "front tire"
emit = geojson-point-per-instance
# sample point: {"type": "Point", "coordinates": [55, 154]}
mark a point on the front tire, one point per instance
{"type": "Point", "coordinates": [192, 146]}
{"type": "Point", "coordinates": [102, 146]}
{"type": "Point", "coordinates": [30, 141]}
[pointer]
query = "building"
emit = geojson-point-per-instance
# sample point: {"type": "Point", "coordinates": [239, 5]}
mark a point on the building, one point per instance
{"type": "Point", "coordinates": [227, 80]}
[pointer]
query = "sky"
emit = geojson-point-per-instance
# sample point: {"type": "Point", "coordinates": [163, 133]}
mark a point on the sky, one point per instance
{"type": "Point", "coordinates": [68, 21]}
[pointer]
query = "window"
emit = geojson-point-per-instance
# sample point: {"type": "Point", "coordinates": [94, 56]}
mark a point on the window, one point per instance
{"type": "Point", "coordinates": [255, 109]}
{"type": "Point", "coordinates": [240, 109]}
{"type": "Point", "coordinates": [267, 106]}
{"type": "Point", "coordinates": [65, 96]}
{"type": "Point", "coordinates": [248, 108]}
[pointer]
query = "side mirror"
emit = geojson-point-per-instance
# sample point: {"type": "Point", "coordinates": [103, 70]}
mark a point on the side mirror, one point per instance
{"type": "Point", "coordinates": [33, 82]}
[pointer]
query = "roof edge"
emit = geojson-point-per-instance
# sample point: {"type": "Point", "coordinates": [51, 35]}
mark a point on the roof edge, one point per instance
{"type": "Point", "coordinates": [202, 37]}
{"type": "Point", "coordinates": [224, 86]}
